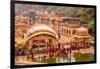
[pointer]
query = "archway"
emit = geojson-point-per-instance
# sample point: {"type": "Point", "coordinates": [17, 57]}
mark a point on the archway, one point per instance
{"type": "Point", "coordinates": [41, 39]}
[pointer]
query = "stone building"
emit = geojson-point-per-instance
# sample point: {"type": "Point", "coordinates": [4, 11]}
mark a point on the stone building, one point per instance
{"type": "Point", "coordinates": [22, 24]}
{"type": "Point", "coordinates": [64, 26]}
{"type": "Point", "coordinates": [57, 28]}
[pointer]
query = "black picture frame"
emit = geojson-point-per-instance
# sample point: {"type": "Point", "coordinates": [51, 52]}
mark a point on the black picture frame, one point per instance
{"type": "Point", "coordinates": [12, 33]}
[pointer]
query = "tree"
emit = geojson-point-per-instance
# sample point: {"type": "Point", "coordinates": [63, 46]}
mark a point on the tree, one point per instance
{"type": "Point", "coordinates": [87, 16]}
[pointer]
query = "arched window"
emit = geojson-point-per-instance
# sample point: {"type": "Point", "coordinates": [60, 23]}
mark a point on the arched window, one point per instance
{"type": "Point", "coordinates": [65, 31]}
{"type": "Point", "coordinates": [69, 32]}
{"type": "Point", "coordinates": [73, 32]}
{"type": "Point", "coordinates": [62, 30]}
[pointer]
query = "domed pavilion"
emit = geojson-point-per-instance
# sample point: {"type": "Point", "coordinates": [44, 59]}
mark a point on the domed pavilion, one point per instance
{"type": "Point", "coordinates": [82, 37]}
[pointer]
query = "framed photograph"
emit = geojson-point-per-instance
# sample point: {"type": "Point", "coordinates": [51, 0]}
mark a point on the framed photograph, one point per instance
{"type": "Point", "coordinates": [50, 34]}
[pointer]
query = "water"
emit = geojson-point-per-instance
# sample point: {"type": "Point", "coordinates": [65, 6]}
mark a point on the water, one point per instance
{"type": "Point", "coordinates": [65, 60]}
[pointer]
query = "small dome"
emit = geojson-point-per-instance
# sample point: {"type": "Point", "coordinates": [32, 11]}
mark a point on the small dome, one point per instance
{"type": "Point", "coordinates": [81, 31]}
{"type": "Point", "coordinates": [39, 13]}
{"type": "Point", "coordinates": [46, 13]}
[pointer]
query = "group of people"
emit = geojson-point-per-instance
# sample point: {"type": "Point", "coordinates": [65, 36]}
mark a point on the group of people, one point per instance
{"type": "Point", "coordinates": [23, 52]}
{"type": "Point", "coordinates": [30, 54]}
